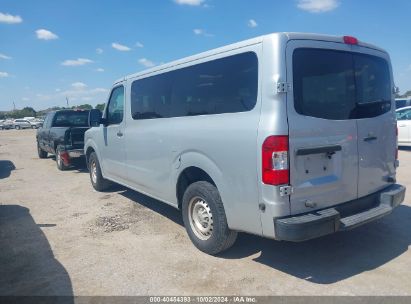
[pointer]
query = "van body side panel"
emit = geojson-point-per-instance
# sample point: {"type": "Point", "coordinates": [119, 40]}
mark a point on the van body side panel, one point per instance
{"type": "Point", "coordinates": [222, 145]}
{"type": "Point", "coordinates": [273, 121]}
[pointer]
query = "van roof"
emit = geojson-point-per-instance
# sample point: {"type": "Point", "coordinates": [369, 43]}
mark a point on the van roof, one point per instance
{"type": "Point", "coordinates": [283, 35]}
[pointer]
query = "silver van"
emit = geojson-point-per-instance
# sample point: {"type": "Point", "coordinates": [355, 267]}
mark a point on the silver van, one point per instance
{"type": "Point", "coordinates": [288, 136]}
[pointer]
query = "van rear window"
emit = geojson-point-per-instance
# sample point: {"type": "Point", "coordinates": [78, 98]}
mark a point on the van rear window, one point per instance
{"type": "Point", "coordinates": [340, 85]}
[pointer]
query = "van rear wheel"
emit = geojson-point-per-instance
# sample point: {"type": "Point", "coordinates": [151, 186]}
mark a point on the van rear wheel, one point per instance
{"type": "Point", "coordinates": [205, 220]}
{"type": "Point", "coordinates": [98, 182]}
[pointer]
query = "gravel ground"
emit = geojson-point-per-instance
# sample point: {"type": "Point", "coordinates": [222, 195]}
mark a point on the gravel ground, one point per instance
{"type": "Point", "coordinates": [60, 237]}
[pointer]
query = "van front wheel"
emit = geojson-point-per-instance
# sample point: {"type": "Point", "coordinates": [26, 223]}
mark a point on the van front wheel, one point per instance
{"type": "Point", "coordinates": [205, 220]}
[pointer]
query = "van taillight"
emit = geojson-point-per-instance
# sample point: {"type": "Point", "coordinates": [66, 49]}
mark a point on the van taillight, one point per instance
{"type": "Point", "coordinates": [275, 160]}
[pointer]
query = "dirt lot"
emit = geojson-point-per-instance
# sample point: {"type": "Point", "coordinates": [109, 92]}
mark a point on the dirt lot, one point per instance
{"type": "Point", "coordinates": [60, 237]}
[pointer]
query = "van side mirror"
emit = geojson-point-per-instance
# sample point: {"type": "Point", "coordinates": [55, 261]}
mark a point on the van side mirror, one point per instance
{"type": "Point", "coordinates": [94, 118]}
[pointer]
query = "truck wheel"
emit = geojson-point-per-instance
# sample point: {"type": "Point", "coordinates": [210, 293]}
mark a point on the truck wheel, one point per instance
{"type": "Point", "coordinates": [205, 220]}
{"type": "Point", "coordinates": [59, 159]}
{"type": "Point", "coordinates": [97, 180]}
{"type": "Point", "coordinates": [42, 154]}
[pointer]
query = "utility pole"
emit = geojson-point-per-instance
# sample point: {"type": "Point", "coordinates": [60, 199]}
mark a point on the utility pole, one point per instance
{"type": "Point", "coordinates": [67, 101]}
{"type": "Point", "coordinates": [14, 106]}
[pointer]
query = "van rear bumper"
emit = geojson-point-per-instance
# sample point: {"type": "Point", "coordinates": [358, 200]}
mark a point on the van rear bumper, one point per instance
{"type": "Point", "coordinates": [341, 217]}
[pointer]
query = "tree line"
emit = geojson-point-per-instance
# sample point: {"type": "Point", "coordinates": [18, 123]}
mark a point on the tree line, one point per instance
{"type": "Point", "coordinates": [406, 94]}
{"type": "Point", "coordinates": [30, 112]}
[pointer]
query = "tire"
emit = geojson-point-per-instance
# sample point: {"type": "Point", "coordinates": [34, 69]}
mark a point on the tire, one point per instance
{"type": "Point", "coordinates": [59, 160]}
{"type": "Point", "coordinates": [42, 154]}
{"type": "Point", "coordinates": [17, 127]}
{"type": "Point", "coordinates": [98, 182]}
{"type": "Point", "coordinates": [205, 220]}
{"type": "Point", "coordinates": [33, 127]}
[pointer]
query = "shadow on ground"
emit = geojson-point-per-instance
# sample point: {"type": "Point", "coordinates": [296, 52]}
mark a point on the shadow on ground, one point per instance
{"type": "Point", "coordinates": [6, 166]}
{"type": "Point", "coordinates": [324, 260]}
{"type": "Point", "coordinates": [28, 266]}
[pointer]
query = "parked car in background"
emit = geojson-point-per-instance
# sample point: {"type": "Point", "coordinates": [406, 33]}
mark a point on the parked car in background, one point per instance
{"type": "Point", "coordinates": [6, 124]}
{"type": "Point", "coordinates": [22, 124]}
{"type": "Point", "coordinates": [290, 136]}
{"type": "Point", "coordinates": [404, 126]}
{"type": "Point", "coordinates": [402, 102]}
{"type": "Point", "coordinates": [35, 123]}
{"type": "Point", "coordinates": [62, 134]}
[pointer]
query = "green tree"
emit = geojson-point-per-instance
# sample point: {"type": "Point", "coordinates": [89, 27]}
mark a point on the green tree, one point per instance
{"type": "Point", "coordinates": [406, 94]}
{"type": "Point", "coordinates": [100, 106]}
{"type": "Point", "coordinates": [83, 107]}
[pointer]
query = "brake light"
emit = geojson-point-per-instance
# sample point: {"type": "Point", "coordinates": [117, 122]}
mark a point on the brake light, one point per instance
{"type": "Point", "coordinates": [275, 160]}
{"type": "Point", "coordinates": [350, 40]}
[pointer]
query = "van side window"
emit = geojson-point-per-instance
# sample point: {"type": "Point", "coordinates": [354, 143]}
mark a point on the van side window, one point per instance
{"type": "Point", "coordinates": [115, 109]}
{"type": "Point", "coordinates": [225, 85]}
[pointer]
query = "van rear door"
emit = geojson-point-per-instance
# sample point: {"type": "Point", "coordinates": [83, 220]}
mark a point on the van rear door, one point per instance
{"type": "Point", "coordinates": [375, 121]}
{"type": "Point", "coordinates": [339, 149]}
{"type": "Point", "coordinates": [322, 138]}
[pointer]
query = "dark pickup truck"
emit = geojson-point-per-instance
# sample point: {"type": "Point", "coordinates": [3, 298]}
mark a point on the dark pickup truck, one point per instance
{"type": "Point", "coordinates": [62, 134]}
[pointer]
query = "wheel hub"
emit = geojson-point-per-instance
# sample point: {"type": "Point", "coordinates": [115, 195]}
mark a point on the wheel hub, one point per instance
{"type": "Point", "coordinates": [94, 172]}
{"type": "Point", "coordinates": [201, 218]}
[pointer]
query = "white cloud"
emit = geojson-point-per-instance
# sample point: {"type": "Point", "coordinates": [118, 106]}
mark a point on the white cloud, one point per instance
{"type": "Point", "coordinates": [46, 35]}
{"type": "Point", "coordinates": [139, 44]}
{"type": "Point", "coordinates": [120, 47]}
{"type": "Point", "coordinates": [73, 94]}
{"type": "Point", "coordinates": [79, 85]}
{"type": "Point", "coordinates": [76, 62]}
{"type": "Point", "coordinates": [145, 62]}
{"type": "Point", "coordinates": [2, 56]}
{"type": "Point", "coordinates": [201, 32]}
{"type": "Point", "coordinates": [99, 51]}
{"type": "Point", "coordinates": [10, 19]}
{"type": "Point", "coordinates": [25, 99]}
{"type": "Point", "coordinates": [4, 74]}
{"type": "Point", "coordinates": [318, 6]}
{"type": "Point", "coordinates": [100, 70]}
{"type": "Point", "coordinates": [189, 2]}
{"type": "Point", "coordinates": [252, 23]}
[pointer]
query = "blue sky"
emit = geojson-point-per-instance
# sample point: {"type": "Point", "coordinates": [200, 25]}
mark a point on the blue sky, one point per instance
{"type": "Point", "coordinates": [53, 49]}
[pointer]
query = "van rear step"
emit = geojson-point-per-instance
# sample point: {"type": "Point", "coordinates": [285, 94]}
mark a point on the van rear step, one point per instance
{"type": "Point", "coordinates": [342, 217]}
{"type": "Point", "coordinates": [370, 215]}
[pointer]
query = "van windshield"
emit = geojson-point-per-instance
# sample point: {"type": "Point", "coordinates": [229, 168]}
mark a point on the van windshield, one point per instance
{"type": "Point", "coordinates": [340, 85]}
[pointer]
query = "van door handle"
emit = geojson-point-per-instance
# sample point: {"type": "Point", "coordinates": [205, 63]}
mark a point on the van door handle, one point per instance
{"type": "Point", "coordinates": [370, 138]}
{"type": "Point", "coordinates": [119, 134]}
